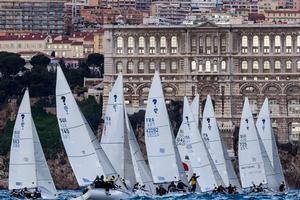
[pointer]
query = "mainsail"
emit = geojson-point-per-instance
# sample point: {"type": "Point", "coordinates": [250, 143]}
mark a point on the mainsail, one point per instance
{"type": "Point", "coordinates": [28, 166]}
{"type": "Point", "coordinates": [195, 109]}
{"type": "Point", "coordinates": [251, 163]}
{"type": "Point", "coordinates": [264, 127]}
{"type": "Point", "coordinates": [141, 169]}
{"type": "Point", "coordinates": [85, 154]}
{"type": "Point", "coordinates": [114, 139]}
{"type": "Point", "coordinates": [216, 148]}
{"type": "Point", "coordinates": [163, 157]}
{"type": "Point", "coordinates": [199, 157]}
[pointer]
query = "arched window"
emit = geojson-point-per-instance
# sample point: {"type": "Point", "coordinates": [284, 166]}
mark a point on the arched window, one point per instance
{"type": "Point", "coordinates": [288, 44]}
{"type": "Point", "coordinates": [193, 66]}
{"type": "Point", "coordinates": [208, 44]}
{"type": "Point", "coordinates": [119, 67]}
{"type": "Point", "coordinates": [130, 45]}
{"type": "Point", "coordinates": [277, 65]}
{"type": "Point", "coordinates": [266, 44]}
{"type": "Point", "coordinates": [288, 64]}
{"type": "Point", "coordinates": [174, 44]}
{"type": "Point", "coordinates": [120, 45]}
{"type": "Point", "coordinates": [207, 66]}
{"type": "Point", "coordinates": [163, 66]}
{"type": "Point", "coordinates": [173, 66]}
{"type": "Point", "coordinates": [152, 45]}
{"type": "Point", "coordinates": [141, 67]}
{"type": "Point", "coordinates": [223, 65]}
{"type": "Point", "coordinates": [298, 44]}
{"type": "Point", "coordinates": [255, 44]}
{"type": "Point", "coordinates": [255, 65]}
{"type": "Point", "coordinates": [141, 45]}
{"type": "Point", "coordinates": [163, 44]}
{"type": "Point", "coordinates": [152, 66]}
{"type": "Point", "coordinates": [244, 65]}
{"type": "Point", "coordinates": [244, 44]}
{"type": "Point", "coordinates": [266, 65]}
{"type": "Point", "coordinates": [277, 44]}
{"type": "Point", "coordinates": [130, 67]}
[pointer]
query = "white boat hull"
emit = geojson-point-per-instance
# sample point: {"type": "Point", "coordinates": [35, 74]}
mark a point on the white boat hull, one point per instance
{"type": "Point", "coordinates": [99, 194]}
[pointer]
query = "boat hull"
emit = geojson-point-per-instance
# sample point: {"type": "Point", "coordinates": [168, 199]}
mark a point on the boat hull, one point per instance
{"type": "Point", "coordinates": [99, 194]}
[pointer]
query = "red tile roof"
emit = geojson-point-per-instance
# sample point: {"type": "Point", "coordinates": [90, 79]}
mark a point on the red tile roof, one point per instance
{"type": "Point", "coordinates": [31, 36]}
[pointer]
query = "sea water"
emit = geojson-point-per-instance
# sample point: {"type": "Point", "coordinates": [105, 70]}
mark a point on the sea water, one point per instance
{"type": "Point", "coordinates": [291, 195]}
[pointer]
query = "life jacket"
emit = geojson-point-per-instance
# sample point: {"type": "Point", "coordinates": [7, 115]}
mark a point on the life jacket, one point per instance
{"type": "Point", "coordinates": [193, 181]}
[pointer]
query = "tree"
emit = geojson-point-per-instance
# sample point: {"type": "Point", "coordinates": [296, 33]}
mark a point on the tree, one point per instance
{"type": "Point", "coordinates": [40, 60]}
{"type": "Point", "coordinates": [96, 60]}
{"type": "Point", "coordinates": [10, 64]}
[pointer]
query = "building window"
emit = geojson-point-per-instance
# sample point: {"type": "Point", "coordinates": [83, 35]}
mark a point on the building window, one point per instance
{"type": "Point", "coordinates": [120, 45]}
{"type": "Point", "coordinates": [255, 65]}
{"type": "Point", "coordinates": [298, 44]}
{"type": "Point", "coordinates": [253, 105]}
{"type": "Point", "coordinates": [215, 67]}
{"type": "Point", "coordinates": [200, 67]}
{"type": "Point", "coordinates": [152, 45]}
{"type": "Point", "coordinates": [215, 45]}
{"type": "Point", "coordinates": [130, 67]}
{"type": "Point", "coordinates": [288, 65]}
{"type": "Point", "coordinates": [173, 66]}
{"type": "Point", "coordinates": [130, 45]}
{"type": "Point", "coordinates": [208, 44]}
{"type": "Point", "coordinates": [163, 66]}
{"type": "Point", "coordinates": [255, 44]}
{"type": "Point", "coordinates": [277, 44]}
{"type": "Point", "coordinates": [266, 44]}
{"type": "Point", "coordinates": [294, 107]}
{"type": "Point", "coordinates": [244, 66]}
{"type": "Point", "coordinates": [223, 65]}
{"type": "Point", "coordinates": [298, 65]}
{"type": "Point", "coordinates": [288, 44]}
{"type": "Point", "coordinates": [274, 107]}
{"type": "Point", "coordinates": [193, 66]}
{"type": "Point", "coordinates": [200, 45]}
{"type": "Point", "coordinates": [141, 68]}
{"type": "Point", "coordinates": [266, 65]}
{"type": "Point", "coordinates": [163, 44]}
{"type": "Point", "coordinates": [193, 45]}
{"type": "Point", "coordinates": [174, 44]}
{"type": "Point", "coordinates": [294, 131]}
{"type": "Point", "coordinates": [244, 44]}
{"type": "Point", "coordinates": [207, 66]}
{"type": "Point", "coordinates": [152, 66]}
{"type": "Point", "coordinates": [141, 45]}
{"type": "Point", "coordinates": [223, 44]}
{"type": "Point", "coordinates": [119, 67]}
{"type": "Point", "coordinates": [277, 66]}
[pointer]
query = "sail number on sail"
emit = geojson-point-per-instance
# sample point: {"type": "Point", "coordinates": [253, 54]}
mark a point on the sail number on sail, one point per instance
{"type": "Point", "coordinates": [243, 142]}
{"type": "Point", "coordinates": [64, 129]}
{"type": "Point", "coordinates": [152, 130]}
{"type": "Point", "coordinates": [16, 139]}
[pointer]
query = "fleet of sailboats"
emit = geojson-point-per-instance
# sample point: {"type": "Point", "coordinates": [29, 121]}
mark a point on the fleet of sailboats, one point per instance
{"type": "Point", "coordinates": [196, 149]}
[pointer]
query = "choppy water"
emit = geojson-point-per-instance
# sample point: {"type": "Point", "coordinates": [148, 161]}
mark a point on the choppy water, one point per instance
{"type": "Point", "coordinates": [292, 195]}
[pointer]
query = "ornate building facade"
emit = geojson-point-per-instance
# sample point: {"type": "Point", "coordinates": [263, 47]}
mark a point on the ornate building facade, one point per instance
{"type": "Point", "coordinates": [228, 62]}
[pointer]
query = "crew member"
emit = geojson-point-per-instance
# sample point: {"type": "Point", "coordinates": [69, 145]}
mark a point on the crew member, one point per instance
{"type": "Point", "coordinates": [172, 187]}
{"type": "Point", "coordinates": [193, 182]}
{"type": "Point", "coordinates": [282, 187]}
{"type": "Point", "coordinates": [181, 186]}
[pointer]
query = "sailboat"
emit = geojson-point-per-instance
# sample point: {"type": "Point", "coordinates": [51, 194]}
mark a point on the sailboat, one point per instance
{"type": "Point", "coordinates": [264, 128]}
{"type": "Point", "coordinates": [84, 152]}
{"type": "Point", "coordinates": [163, 156]}
{"type": "Point", "coordinates": [119, 142]}
{"type": "Point", "coordinates": [215, 146]}
{"type": "Point", "coordinates": [27, 164]}
{"type": "Point", "coordinates": [195, 150]}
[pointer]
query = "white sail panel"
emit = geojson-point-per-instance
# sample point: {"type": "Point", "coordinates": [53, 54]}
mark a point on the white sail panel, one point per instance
{"type": "Point", "coordinates": [199, 157]}
{"type": "Point", "coordinates": [22, 168]}
{"type": "Point", "coordinates": [158, 137]}
{"type": "Point", "coordinates": [251, 164]}
{"type": "Point", "coordinates": [85, 154]}
{"type": "Point", "coordinates": [211, 136]}
{"type": "Point", "coordinates": [195, 109]}
{"type": "Point", "coordinates": [141, 169]}
{"type": "Point", "coordinates": [44, 180]}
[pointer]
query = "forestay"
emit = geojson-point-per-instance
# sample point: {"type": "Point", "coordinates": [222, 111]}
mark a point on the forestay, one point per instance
{"type": "Point", "coordinates": [201, 163]}
{"type": "Point", "coordinates": [85, 154]}
{"type": "Point", "coordinates": [163, 159]}
{"type": "Point", "coordinates": [264, 127]}
{"type": "Point", "coordinates": [251, 164]}
{"type": "Point", "coordinates": [216, 148]}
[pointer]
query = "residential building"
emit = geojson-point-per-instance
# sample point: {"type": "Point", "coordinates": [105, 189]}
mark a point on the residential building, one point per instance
{"type": "Point", "coordinates": [228, 62]}
{"type": "Point", "coordinates": [283, 16]}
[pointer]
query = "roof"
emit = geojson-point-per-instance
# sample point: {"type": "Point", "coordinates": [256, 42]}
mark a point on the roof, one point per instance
{"type": "Point", "coordinates": [31, 36]}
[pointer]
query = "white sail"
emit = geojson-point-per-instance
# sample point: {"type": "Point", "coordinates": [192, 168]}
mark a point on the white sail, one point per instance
{"type": "Point", "coordinates": [22, 164]}
{"type": "Point", "coordinates": [199, 157]}
{"type": "Point", "coordinates": [114, 138]}
{"type": "Point", "coordinates": [264, 127]}
{"type": "Point", "coordinates": [141, 169]}
{"type": "Point", "coordinates": [163, 159]}
{"type": "Point", "coordinates": [251, 163]}
{"type": "Point", "coordinates": [195, 109]}
{"type": "Point", "coordinates": [85, 154]}
{"type": "Point", "coordinates": [44, 179]}
{"type": "Point", "coordinates": [216, 148]}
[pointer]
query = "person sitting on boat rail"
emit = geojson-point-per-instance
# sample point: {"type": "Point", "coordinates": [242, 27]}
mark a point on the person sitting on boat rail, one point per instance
{"type": "Point", "coordinates": [26, 193]}
{"type": "Point", "coordinates": [282, 187]}
{"type": "Point", "coordinates": [36, 194]}
{"type": "Point", "coordinates": [221, 189]}
{"type": "Point", "coordinates": [181, 186]}
{"type": "Point", "coordinates": [15, 193]}
{"type": "Point", "coordinates": [161, 190]}
{"type": "Point", "coordinates": [193, 182]}
{"type": "Point", "coordinates": [230, 189]}
{"type": "Point", "coordinates": [136, 187]}
{"type": "Point", "coordinates": [172, 187]}
{"type": "Point", "coordinates": [99, 182]}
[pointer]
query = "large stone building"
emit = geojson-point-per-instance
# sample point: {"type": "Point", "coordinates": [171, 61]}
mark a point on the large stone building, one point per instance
{"type": "Point", "coordinates": [229, 62]}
